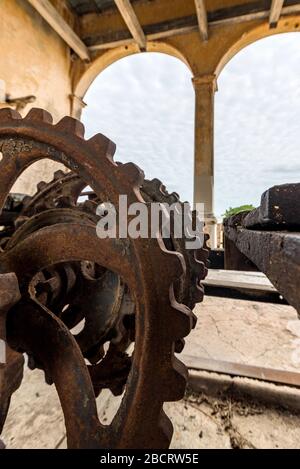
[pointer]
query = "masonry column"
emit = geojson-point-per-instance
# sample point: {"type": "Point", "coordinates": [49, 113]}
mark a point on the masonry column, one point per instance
{"type": "Point", "coordinates": [205, 87]}
{"type": "Point", "coordinates": [77, 104]}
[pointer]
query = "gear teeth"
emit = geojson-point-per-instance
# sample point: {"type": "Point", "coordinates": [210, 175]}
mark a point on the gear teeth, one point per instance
{"type": "Point", "coordinates": [179, 345]}
{"type": "Point", "coordinates": [158, 186]}
{"type": "Point", "coordinates": [165, 431]}
{"type": "Point", "coordinates": [156, 189]}
{"type": "Point", "coordinates": [194, 320]}
{"type": "Point", "coordinates": [174, 381]}
{"type": "Point", "coordinates": [156, 183]}
{"type": "Point", "coordinates": [202, 256]}
{"type": "Point", "coordinates": [59, 174]}
{"type": "Point", "coordinates": [172, 263]}
{"type": "Point", "coordinates": [132, 173]}
{"type": "Point", "coordinates": [48, 378]}
{"type": "Point", "coordinates": [89, 206]}
{"type": "Point", "coordinates": [182, 320]}
{"type": "Point", "coordinates": [20, 221]}
{"type": "Point", "coordinates": [197, 294]}
{"type": "Point", "coordinates": [64, 202]}
{"type": "Point", "coordinates": [163, 189]}
{"type": "Point", "coordinates": [71, 125]}
{"type": "Point", "coordinates": [37, 114]}
{"type": "Point", "coordinates": [41, 185]}
{"type": "Point", "coordinates": [198, 268]}
{"type": "Point", "coordinates": [181, 316]}
{"type": "Point", "coordinates": [31, 363]}
{"type": "Point", "coordinates": [8, 113]}
{"type": "Point", "coordinates": [102, 146]}
{"type": "Point", "coordinates": [173, 198]}
{"type": "Point", "coordinates": [26, 199]}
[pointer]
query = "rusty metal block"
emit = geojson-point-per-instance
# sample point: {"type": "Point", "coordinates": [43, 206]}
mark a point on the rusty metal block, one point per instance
{"type": "Point", "coordinates": [275, 251]}
{"type": "Point", "coordinates": [279, 208]}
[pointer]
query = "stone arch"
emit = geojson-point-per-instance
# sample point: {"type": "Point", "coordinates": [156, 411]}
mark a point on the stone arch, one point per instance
{"type": "Point", "coordinates": [109, 57]}
{"type": "Point", "coordinates": [261, 67]}
{"type": "Point", "coordinates": [285, 25]}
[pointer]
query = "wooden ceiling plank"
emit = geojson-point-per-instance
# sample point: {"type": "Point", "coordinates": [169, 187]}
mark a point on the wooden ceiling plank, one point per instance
{"type": "Point", "coordinates": [202, 19]}
{"type": "Point", "coordinates": [132, 22]}
{"type": "Point", "coordinates": [275, 12]}
{"type": "Point", "coordinates": [186, 26]}
{"type": "Point", "coordinates": [61, 27]}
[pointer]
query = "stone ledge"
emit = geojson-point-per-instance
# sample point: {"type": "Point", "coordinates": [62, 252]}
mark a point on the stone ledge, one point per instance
{"type": "Point", "coordinates": [215, 384]}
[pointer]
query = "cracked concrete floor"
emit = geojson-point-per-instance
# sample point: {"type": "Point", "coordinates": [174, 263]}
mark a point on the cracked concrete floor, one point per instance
{"type": "Point", "coordinates": [234, 330]}
{"type": "Point", "coordinates": [249, 332]}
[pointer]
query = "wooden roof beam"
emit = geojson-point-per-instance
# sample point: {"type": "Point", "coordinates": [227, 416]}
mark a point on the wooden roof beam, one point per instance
{"type": "Point", "coordinates": [275, 12]}
{"type": "Point", "coordinates": [132, 22]}
{"type": "Point", "coordinates": [202, 19]}
{"type": "Point", "coordinates": [185, 25]}
{"type": "Point", "coordinates": [61, 27]}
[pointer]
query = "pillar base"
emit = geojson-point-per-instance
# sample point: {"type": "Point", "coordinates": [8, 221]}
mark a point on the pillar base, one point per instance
{"type": "Point", "coordinates": [211, 229]}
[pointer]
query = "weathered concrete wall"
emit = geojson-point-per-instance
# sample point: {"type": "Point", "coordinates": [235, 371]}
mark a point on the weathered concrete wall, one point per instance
{"type": "Point", "coordinates": [33, 61]}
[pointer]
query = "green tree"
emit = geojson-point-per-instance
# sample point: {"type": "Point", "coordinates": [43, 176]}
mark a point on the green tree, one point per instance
{"type": "Point", "coordinates": [233, 211]}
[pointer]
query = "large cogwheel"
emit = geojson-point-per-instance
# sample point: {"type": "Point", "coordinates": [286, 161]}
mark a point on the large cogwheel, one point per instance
{"type": "Point", "coordinates": [67, 237]}
{"type": "Point", "coordinates": [65, 190]}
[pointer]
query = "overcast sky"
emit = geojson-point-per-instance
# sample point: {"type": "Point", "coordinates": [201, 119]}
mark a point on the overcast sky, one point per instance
{"type": "Point", "coordinates": [145, 104]}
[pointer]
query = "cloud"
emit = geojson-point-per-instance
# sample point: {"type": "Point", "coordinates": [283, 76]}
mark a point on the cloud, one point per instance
{"type": "Point", "coordinates": [145, 103]}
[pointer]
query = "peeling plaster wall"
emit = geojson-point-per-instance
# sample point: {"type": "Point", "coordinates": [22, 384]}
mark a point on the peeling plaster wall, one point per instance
{"type": "Point", "coordinates": [33, 61]}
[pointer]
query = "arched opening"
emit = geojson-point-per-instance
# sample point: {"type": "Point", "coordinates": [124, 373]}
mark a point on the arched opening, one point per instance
{"type": "Point", "coordinates": [107, 58]}
{"type": "Point", "coordinates": [256, 121]}
{"type": "Point", "coordinates": [145, 104]}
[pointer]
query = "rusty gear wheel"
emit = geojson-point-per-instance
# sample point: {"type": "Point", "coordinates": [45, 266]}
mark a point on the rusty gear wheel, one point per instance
{"type": "Point", "coordinates": [65, 190]}
{"type": "Point", "coordinates": [149, 270]}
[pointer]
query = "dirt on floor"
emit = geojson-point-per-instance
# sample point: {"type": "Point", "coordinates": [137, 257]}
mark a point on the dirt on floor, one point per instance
{"type": "Point", "coordinates": [35, 420]}
{"type": "Point", "coordinates": [233, 424]}
{"type": "Point", "coordinates": [233, 330]}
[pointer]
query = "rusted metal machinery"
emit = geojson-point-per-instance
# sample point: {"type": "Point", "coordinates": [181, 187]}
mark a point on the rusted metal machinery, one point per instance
{"type": "Point", "coordinates": [55, 274]}
{"type": "Point", "coordinates": [269, 237]}
{"type": "Point", "coordinates": [265, 239]}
